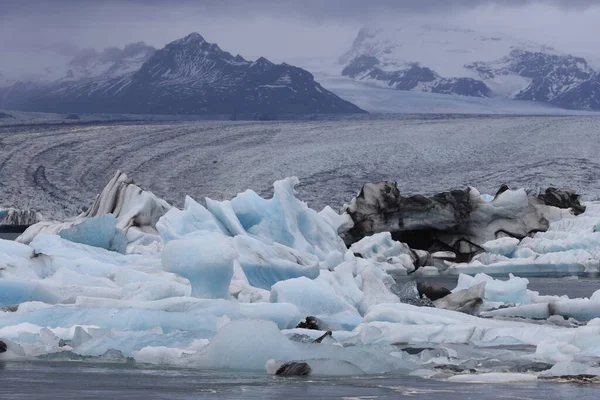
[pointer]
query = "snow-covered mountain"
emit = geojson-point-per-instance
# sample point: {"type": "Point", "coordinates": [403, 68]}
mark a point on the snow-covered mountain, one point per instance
{"type": "Point", "coordinates": [464, 62]}
{"type": "Point", "coordinates": [187, 76]}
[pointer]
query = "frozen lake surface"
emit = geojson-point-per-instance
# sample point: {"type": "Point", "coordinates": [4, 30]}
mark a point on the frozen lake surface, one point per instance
{"type": "Point", "coordinates": [59, 169]}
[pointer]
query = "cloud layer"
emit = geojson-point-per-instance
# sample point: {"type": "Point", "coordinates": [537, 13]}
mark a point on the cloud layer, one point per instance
{"type": "Point", "coordinates": [282, 29]}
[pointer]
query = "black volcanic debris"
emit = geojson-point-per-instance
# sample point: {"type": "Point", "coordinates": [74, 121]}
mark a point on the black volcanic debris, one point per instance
{"type": "Point", "coordinates": [432, 292]}
{"type": "Point", "coordinates": [562, 199]}
{"type": "Point", "coordinates": [320, 339]}
{"type": "Point", "coordinates": [188, 76]}
{"type": "Point", "coordinates": [458, 221]}
{"type": "Point", "coordinates": [309, 322]}
{"type": "Point", "coordinates": [294, 368]}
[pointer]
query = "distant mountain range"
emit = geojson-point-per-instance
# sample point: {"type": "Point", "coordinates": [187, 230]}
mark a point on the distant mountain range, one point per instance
{"type": "Point", "coordinates": [191, 76]}
{"type": "Point", "coordinates": [459, 61]}
{"type": "Point", "coordinates": [187, 76]}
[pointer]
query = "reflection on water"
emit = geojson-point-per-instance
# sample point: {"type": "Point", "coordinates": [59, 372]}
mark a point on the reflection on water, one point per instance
{"type": "Point", "coordinates": [94, 381]}
{"type": "Point", "coordinates": [9, 235]}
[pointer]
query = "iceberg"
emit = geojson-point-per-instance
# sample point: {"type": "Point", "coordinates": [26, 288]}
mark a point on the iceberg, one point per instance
{"type": "Point", "coordinates": [136, 212]}
{"type": "Point", "coordinates": [458, 220]}
{"type": "Point", "coordinates": [235, 284]}
{"type": "Point", "coordinates": [206, 262]}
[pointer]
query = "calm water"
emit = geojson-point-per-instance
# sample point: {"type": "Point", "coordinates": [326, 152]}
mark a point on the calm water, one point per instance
{"type": "Point", "coordinates": [572, 286]}
{"type": "Point", "coordinates": [45, 380]}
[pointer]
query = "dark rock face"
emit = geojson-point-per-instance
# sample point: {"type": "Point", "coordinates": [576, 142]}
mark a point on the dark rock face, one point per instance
{"type": "Point", "coordinates": [432, 292]}
{"type": "Point", "coordinates": [3, 347]}
{"type": "Point", "coordinates": [459, 221]}
{"type": "Point", "coordinates": [586, 95]}
{"type": "Point", "coordinates": [413, 77]}
{"type": "Point", "coordinates": [188, 76]}
{"type": "Point", "coordinates": [294, 368]}
{"type": "Point", "coordinates": [462, 86]}
{"type": "Point", "coordinates": [309, 323]}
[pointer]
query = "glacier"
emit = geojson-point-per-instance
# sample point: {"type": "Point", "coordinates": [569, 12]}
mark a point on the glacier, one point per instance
{"type": "Point", "coordinates": [227, 284]}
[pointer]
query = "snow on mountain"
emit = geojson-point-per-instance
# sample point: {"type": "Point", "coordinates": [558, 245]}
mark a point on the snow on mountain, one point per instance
{"type": "Point", "coordinates": [585, 95]}
{"type": "Point", "coordinates": [413, 77]}
{"type": "Point", "coordinates": [445, 60]}
{"type": "Point", "coordinates": [187, 76]}
{"type": "Point", "coordinates": [445, 50]}
{"type": "Point", "coordinates": [547, 76]}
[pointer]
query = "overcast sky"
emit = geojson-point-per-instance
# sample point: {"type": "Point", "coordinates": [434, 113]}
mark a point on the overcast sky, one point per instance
{"type": "Point", "coordinates": [283, 28]}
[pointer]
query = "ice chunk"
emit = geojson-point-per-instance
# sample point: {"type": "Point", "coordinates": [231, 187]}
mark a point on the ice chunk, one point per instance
{"type": "Point", "coordinates": [569, 368]}
{"type": "Point", "coordinates": [13, 351]}
{"type": "Point", "coordinates": [136, 211]}
{"type": "Point", "coordinates": [15, 249]}
{"type": "Point", "coordinates": [50, 339]}
{"type": "Point", "coordinates": [533, 311]}
{"type": "Point", "coordinates": [249, 344]}
{"type": "Point", "coordinates": [16, 292]}
{"type": "Point", "coordinates": [374, 289]}
{"type": "Point", "coordinates": [493, 377]}
{"type": "Point", "coordinates": [381, 248]}
{"type": "Point", "coordinates": [313, 297]}
{"type": "Point", "coordinates": [504, 246]}
{"type": "Point", "coordinates": [193, 220]}
{"type": "Point", "coordinates": [98, 232]}
{"type": "Point", "coordinates": [467, 300]}
{"type": "Point", "coordinates": [512, 291]}
{"type": "Point", "coordinates": [207, 263]}
{"type": "Point", "coordinates": [579, 309]}
{"type": "Point", "coordinates": [341, 223]}
{"type": "Point", "coordinates": [265, 264]}
{"type": "Point", "coordinates": [161, 355]}
{"type": "Point", "coordinates": [80, 336]}
{"type": "Point", "coordinates": [282, 219]}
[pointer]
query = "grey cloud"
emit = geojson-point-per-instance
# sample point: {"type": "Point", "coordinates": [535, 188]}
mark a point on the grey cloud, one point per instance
{"type": "Point", "coordinates": [275, 28]}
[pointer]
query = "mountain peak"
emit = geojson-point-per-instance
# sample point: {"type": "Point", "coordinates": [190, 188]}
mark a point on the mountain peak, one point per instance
{"type": "Point", "coordinates": [262, 62]}
{"type": "Point", "coordinates": [193, 37]}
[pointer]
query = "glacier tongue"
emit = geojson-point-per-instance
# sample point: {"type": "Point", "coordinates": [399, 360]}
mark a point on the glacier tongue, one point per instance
{"type": "Point", "coordinates": [226, 285]}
